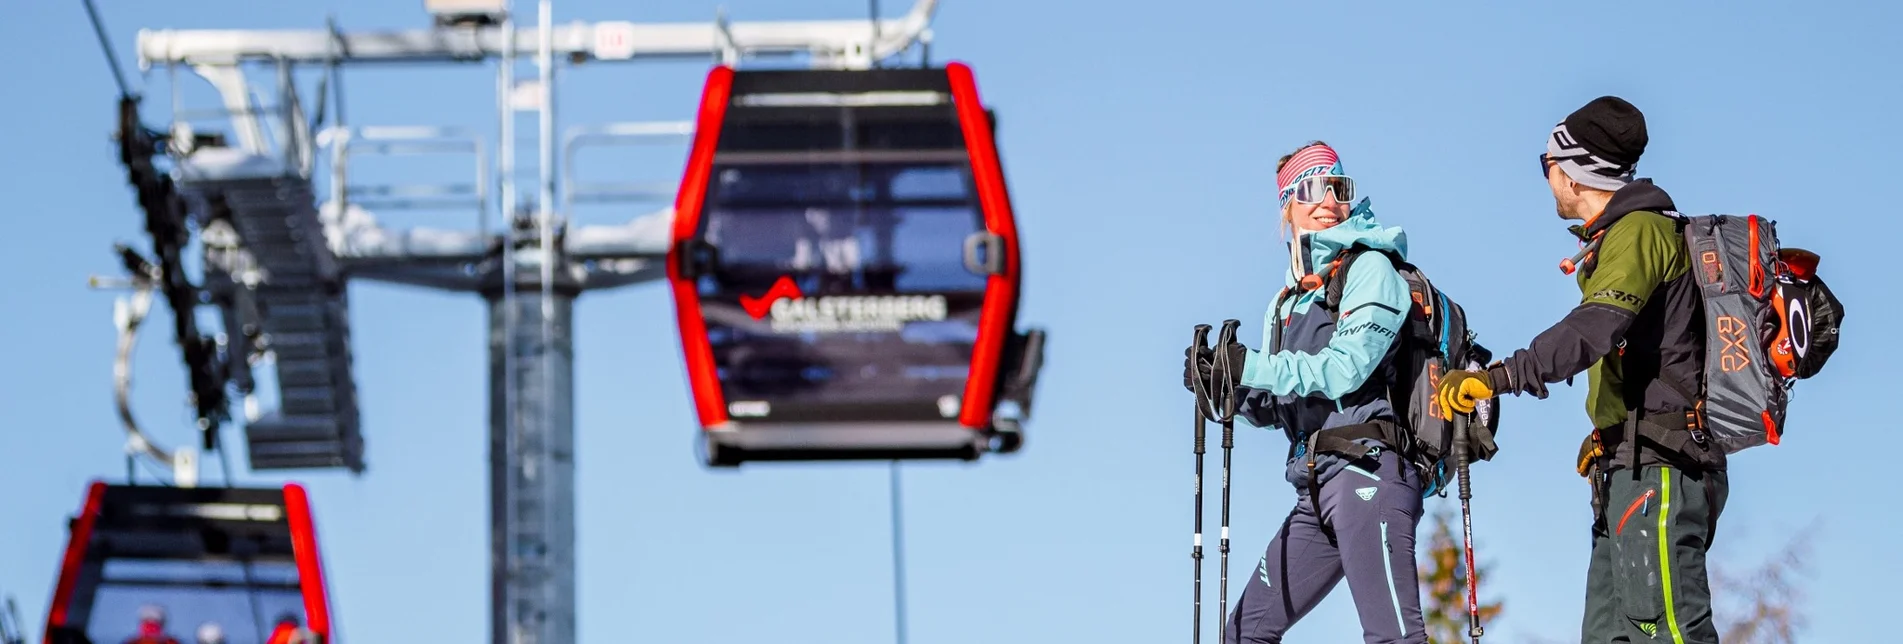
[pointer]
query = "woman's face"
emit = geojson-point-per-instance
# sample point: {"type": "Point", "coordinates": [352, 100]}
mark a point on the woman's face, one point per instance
{"type": "Point", "coordinates": [1317, 216]}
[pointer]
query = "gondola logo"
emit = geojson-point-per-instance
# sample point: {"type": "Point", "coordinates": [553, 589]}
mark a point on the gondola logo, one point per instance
{"type": "Point", "coordinates": [790, 311]}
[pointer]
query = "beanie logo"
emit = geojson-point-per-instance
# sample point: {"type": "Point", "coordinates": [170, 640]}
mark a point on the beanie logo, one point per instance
{"type": "Point", "coordinates": [1564, 138]}
{"type": "Point", "coordinates": [1582, 165]}
{"type": "Point", "coordinates": [1569, 149]}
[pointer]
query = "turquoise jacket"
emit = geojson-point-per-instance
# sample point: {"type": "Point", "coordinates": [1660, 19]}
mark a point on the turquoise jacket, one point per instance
{"type": "Point", "coordinates": [1331, 370]}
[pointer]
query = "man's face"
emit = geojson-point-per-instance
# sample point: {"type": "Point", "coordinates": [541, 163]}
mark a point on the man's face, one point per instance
{"type": "Point", "coordinates": [1566, 200]}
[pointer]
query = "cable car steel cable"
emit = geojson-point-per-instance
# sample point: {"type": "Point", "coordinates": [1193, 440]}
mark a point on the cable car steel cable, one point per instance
{"type": "Point", "coordinates": [105, 45]}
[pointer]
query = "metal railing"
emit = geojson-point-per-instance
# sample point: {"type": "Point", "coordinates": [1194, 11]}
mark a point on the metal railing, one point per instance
{"type": "Point", "coordinates": [623, 134]}
{"type": "Point", "coordinates": [345, 142]}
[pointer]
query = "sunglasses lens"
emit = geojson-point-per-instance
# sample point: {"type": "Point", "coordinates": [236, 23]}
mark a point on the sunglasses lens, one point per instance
{"type": "Point", "coordinates": [1344, 188]}
{"type": "Point", "coordinates": [1312, 189]}
{"type": "Point", "coordinates": [1305, 191]}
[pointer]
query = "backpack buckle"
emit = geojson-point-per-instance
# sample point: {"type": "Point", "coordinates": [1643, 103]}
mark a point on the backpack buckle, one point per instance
{"type": "Point", "coordinates": [1695, 423]}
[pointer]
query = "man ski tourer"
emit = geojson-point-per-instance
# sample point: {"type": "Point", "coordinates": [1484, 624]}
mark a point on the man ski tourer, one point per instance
{"type": "Point", "coordinates": [1354, 517]}
{"type": "Point", "coordinates": [1658, 483]}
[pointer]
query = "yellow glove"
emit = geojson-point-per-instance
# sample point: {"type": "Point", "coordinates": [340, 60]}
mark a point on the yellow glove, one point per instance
{"type": "Point", "coordinates": [1589, 451]}
{"type": "Point", "coordinates": [1461, 390]}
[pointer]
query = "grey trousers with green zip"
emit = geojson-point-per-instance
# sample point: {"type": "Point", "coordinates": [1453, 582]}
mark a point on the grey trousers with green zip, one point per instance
{"type": "Point", "coordinates": [1647, 581]}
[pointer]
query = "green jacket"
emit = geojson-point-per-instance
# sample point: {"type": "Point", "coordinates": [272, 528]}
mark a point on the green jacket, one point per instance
{"type": "Point", "coordinates": [1638, 332]}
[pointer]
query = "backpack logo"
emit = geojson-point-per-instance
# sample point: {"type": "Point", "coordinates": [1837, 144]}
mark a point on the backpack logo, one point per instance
{"type": "Point", "coordinates": [1366, 493]}
{"type": "Point", "coordinates": [1714, 271]}
{"type": "Point", "coordinates": [1434, 374]}
{"type": "Point", "coordinates": [1734, 356]}
{"type": "Point", "coordinates": [1799, 324]}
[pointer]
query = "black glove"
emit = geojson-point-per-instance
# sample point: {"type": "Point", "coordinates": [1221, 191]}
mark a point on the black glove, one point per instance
{"type": "Point", "coordinates": [1200, 363]}
{"type": "Point", "coordinates": [1195, 366]}
{"type": "Point", "coordinates": [1238, 353]}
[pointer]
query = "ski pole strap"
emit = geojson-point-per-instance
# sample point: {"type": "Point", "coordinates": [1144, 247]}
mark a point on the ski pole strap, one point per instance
{"type": "Point", "coordinates": [1225, 373]}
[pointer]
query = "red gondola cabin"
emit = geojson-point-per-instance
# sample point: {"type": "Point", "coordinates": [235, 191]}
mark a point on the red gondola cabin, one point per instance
{"type": "Point", "coordinates": [244, 559]}
{"type": "Point", "coordinates": [845, 269]}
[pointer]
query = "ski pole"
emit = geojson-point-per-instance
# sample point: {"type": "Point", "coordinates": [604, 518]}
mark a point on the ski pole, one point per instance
{"type": "Point", "coordinates": [1196, 551]}
{"type": "Point", "coordinates": [1467, 526]}
{"type": "Point", "coordinates": [1222, 371]}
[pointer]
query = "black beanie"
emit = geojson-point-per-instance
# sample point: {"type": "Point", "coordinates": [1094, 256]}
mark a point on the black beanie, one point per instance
{"type": "Point", "coordinates": [1599, 144]}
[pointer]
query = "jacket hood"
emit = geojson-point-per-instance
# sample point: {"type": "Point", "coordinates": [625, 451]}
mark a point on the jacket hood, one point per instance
{"type": "Point", "coordinates": [1320, 247]}
{"type": "Point", "coordinates": [1640, 194]}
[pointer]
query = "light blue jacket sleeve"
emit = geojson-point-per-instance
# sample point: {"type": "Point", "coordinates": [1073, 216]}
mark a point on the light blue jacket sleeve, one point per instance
{"type": "Point", "coordinates": [1375, 299]}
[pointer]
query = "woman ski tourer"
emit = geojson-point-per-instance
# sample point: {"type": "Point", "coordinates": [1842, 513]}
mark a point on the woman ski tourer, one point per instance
{"type": "Point", "coordinates": [1331, 370]}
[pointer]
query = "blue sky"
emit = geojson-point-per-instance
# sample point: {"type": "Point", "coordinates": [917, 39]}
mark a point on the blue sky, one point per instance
{"type": "Point", "coordinates": [1140, 140]}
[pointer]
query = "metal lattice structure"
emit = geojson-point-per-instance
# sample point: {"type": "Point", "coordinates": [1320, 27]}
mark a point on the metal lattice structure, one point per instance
{"type": "Point", "coordinates": [286, 225]}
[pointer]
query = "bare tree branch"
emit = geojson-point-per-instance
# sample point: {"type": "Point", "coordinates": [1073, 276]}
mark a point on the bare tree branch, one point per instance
{"type": "Point", "coordinates": [1767, 602]}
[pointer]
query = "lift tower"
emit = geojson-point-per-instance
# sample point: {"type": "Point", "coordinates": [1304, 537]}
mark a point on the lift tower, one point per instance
{"type": "Point", "coordinates": [279, 250]}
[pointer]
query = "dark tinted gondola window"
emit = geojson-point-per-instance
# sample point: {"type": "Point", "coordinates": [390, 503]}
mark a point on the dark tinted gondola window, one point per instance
{"type": "Point", "coordinates": [245, 603]}
{"type": "Point", "coordinates": [841, 230]}
{"type": "Point", "coordinates": [881, 309]}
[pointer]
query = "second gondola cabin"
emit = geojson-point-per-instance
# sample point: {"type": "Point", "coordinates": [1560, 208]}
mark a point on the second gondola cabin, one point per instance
{"type": "Point", "coordinates": [845, 269]}
{"type": "Point", "coordinates": [159, 561]}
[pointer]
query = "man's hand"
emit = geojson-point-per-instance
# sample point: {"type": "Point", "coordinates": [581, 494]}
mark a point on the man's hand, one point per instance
{"type": "Point", "coordinates": [1461, 391]}
{"type": "Point", "coordinates": [1589, 451]}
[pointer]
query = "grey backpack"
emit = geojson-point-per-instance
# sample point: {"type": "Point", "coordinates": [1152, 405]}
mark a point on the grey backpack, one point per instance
{"type": "Point", "coordinates": [1769, 322]}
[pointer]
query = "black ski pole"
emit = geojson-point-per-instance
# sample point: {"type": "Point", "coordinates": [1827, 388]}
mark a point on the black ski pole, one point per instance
{"type": "Point", "coordinates": [1196, 551]}
{"type": "Point", "coordinates": [1467, 527]}
{"type": "Point", "coordinates": [1222, 372]}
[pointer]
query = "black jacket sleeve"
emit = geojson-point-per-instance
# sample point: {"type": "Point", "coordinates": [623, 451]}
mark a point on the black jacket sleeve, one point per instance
{"type": "Point", "coordinates": [1636, 256]}
{"type": "Point", "coordinates": [1581, 338]}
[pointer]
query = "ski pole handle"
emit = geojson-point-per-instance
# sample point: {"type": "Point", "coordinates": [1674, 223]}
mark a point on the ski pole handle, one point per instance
{"type": "Point", "coordinates": [1461, 460]}
{"type": "Point", "coordinates": [1201, 388]}
{"type": "Point", "coordinates": [1227, 379]}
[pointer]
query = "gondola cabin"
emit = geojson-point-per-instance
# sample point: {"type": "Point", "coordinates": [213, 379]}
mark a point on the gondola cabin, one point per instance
{"type": "Point", "coordinates": [845, 269]}
{"type": "Point", "coordinates": [163, 562]}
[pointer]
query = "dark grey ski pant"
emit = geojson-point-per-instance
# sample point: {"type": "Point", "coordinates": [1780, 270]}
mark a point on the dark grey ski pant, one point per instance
{"type": "Point", "coordinates": [1372, 513]}
{"type": "Point", "coordinates": [1647, 581]}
